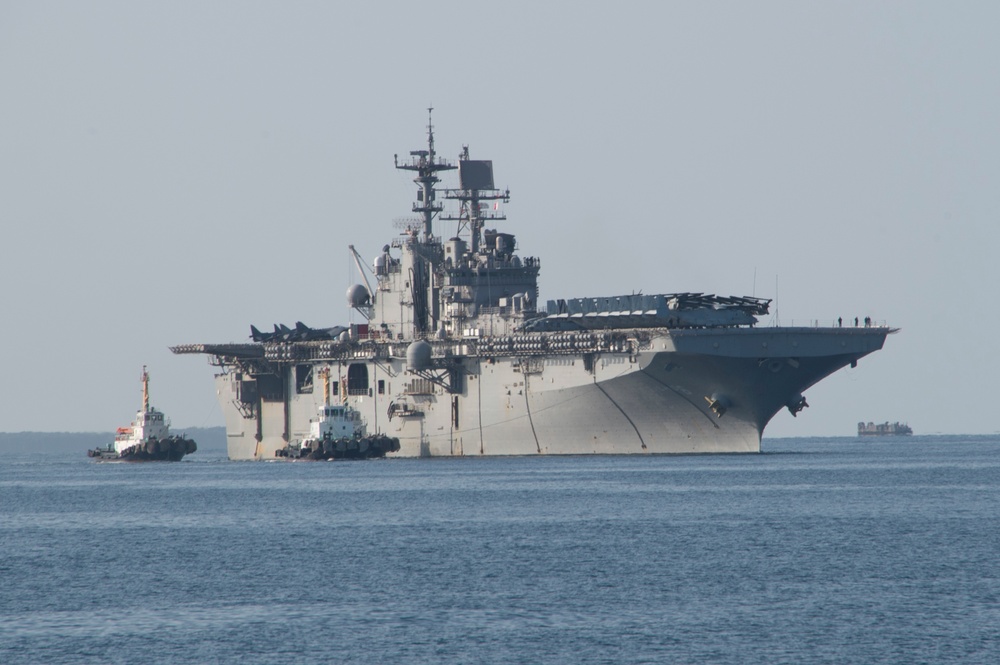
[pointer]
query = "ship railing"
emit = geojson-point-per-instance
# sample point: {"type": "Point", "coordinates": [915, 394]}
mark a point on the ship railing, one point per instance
{"type": "Point", "coordinates": [379, 336]}
{"type": "Point", "coordinates": [407, 224]}
{"type": "Point", "coordinates": [509, 264]}
{"type": "Point", "coordinates": [832, 323]}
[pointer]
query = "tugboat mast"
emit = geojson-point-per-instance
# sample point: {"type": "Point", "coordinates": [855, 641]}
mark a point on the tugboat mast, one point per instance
{"type": "Point", "coordinates": [324, 374]}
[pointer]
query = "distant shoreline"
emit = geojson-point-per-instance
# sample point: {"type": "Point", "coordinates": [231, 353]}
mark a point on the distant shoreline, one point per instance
{"type": "Point", "coordinates": [207, 438]}
{"type": "Point", "coordinates": [214, 439]}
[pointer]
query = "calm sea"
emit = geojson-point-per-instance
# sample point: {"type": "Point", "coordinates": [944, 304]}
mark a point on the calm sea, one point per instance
{"type": "Point", "coordinates": [816, 551]}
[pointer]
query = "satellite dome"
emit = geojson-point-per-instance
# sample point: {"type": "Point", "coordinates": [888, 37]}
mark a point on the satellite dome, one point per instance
{"type": "Point", "coordinates": [418, 355]}
{"type": "Point", "coordinates": [358, 296]}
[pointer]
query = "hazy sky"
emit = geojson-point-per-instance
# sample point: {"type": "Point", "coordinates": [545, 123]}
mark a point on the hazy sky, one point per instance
{"type": "Point", "coordinates": [174, 172]}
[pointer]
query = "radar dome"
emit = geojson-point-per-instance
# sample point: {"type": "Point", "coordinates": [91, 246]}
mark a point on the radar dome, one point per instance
{"type": "Point", "coordinates": [418, 356]}
{"type": "Point", "coordinates": [358, 296]}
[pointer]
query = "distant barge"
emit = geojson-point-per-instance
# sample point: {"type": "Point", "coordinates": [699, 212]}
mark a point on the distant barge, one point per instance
{"type": "Point", "coordinates": [884, 429]}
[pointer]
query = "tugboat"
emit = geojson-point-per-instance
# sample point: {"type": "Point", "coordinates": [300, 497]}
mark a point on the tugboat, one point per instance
{"type": "Point", "coordinates": [147, 439]}
{"type": "Point", "coordinates": [338, 433]}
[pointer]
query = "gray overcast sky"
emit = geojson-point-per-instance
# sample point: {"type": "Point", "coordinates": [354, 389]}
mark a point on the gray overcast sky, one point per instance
{"type": "Point", "coordinates": [173, 172]}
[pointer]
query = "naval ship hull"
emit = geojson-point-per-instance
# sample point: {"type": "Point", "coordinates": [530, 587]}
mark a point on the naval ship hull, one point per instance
{"type": "Point", "coordinates": [680, 391]}
{"type": "Point", "coordinates": [458, 356]}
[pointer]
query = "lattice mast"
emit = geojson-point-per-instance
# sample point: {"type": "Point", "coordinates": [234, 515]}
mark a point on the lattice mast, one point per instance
{"type": "Point", "coordinates": [474, 195]}
{"type": "Point", "coordinates": [426, 165]}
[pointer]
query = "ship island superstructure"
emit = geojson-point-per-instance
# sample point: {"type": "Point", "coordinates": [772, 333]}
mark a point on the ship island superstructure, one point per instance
{"type": "Point", "coordinates": [458, 358]}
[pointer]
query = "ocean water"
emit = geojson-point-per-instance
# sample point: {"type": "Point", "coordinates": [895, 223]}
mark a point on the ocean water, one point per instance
{"type": "Point", "coordinates": [818, 551]}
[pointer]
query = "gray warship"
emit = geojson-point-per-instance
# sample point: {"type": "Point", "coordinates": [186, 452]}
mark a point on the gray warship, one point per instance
{"type": "Point", "coordinates": [457, 356]}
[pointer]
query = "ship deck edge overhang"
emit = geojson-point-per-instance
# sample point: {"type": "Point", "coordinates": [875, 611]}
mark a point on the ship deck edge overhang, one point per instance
{"type": "Point", "coordinates": [752, 341]}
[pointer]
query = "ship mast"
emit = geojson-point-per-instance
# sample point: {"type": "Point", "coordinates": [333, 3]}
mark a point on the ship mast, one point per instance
{"type": "Point", "coordinates": [425, 254]}
{"type": "Point", "coordinates": [325, 375]}
{"type": "Point", "coordinates": [426, 165]}
{"type": "Point", "coordinates": [476, 180]}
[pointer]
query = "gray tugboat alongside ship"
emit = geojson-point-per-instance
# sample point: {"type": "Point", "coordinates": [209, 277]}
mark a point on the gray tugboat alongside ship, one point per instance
{"type": "Point", "coordinates": [338, 433]}
{"type": "Point", "coordinates": [458, 357]}
{"type": "Point", "coordinates": [147, 439]}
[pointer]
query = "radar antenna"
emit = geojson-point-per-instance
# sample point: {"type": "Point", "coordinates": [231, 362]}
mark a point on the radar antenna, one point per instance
{"type": "Point", "coordinates": [476, 189]}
